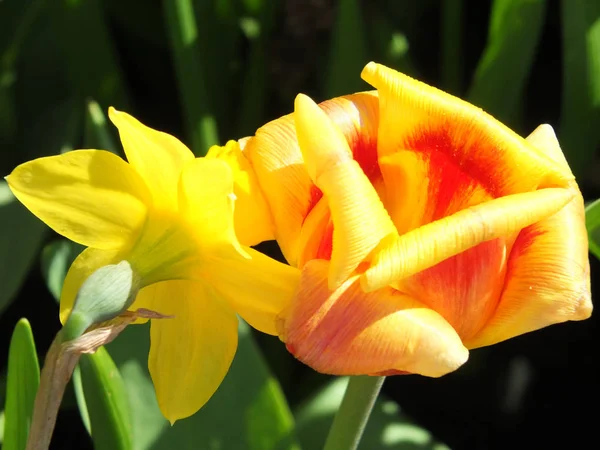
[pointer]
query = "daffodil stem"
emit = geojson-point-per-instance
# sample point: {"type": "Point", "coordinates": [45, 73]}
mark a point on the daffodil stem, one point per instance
{"type": "Point", "coordinates": [55, 375]}
{"type": "Point", "coordinates": [353, 415]}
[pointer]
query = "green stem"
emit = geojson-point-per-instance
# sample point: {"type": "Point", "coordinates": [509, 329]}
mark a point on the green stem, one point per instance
{"type": "Point", "coordinates": [191, 75]}
{"type": "Point", "coordinates": [354, 412]}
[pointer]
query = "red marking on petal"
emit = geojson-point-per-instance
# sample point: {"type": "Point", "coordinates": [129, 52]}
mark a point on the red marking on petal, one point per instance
{"type": "Point", "coordinates": [464, 289]}
{"type": "Point", "coordinates": [326, 245]}
{"type": "Point", "coordinates": [450, 188]}
{"type": "Point", "coordinates": [315, 195]}
{"type": "Point", "coordinates": [364, 150]}
{"type": "Point", "coordinates": [524, 240]}
{"type": "Point", "coordinates": [477, 158]}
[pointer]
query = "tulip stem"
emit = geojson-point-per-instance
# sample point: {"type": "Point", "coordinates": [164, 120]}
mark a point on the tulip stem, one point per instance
{"type": "Point", "coordinates": [351, 419]}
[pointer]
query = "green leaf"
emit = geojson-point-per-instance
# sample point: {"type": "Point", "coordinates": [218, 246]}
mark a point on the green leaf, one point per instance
{"type": "Point", "coordinates": [89, 54]}
{"type": "Point", "coordinates": [191, 76]}
{"type": "Point", "coordinates": [21, 386]}
{"type": "Point", "coordinates": [502, 72]}
{"type": "Point", "coordinates": [248, 411]}
{"type": "Point", "coordinates": [348, 52]}
{"type": "Point", "coordinates": [592, 223]}
{"type": "Point", "coordinates": [57, 257]}
{"type": "Point", "coordinates": [388, 427]}
{"type": "Point", "coordinates": [107, 402]}
{"type": "Point", "coordinates": [257, 27]}
{"type": "Point", "coordinates": [80, 399]}
{"type": "Point", "coordinates": [579, 131]}
{"type": "Point", "coordinates": [2, 421]}
{"type": "Point", "coordinates": [21, 234]}
{"type": "Point", "coordinates": [16, 19]}
{"type": "Point", "coordinates": [452, 57]}
{"type": "Point", "coordinates": [390, 46]}
{"type": "Point", "coordinates": [98, 134]}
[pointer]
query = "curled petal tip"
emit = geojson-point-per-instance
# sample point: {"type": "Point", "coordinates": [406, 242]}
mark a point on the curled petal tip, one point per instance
{"type": "Point", "coordinates": [112, 111]}
{"type": "Point", "coordinates": [371, 67]}
{"type": "Point", "coordinates": [585, 307]}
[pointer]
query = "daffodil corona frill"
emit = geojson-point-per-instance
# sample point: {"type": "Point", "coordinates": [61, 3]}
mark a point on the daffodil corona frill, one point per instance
{"type": "Point", "coordinates": [170, 216]}
{"type": "Point", "coordinates": [422, 227]}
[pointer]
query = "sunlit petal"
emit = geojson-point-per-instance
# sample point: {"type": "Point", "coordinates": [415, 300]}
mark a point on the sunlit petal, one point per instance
{"type": "Point", "coordinates": [419, 118]}
{"type": "Point", "coordinates": [547, 279]}
{"type": "Point", "coordinates": [190, 354]}
{"type": "Point", "coordinates": [360, 221]}
{"type": "Point", "coordinates": [348, 332]}
{"type": "Point", "coordinates": [464, 288]}
{"type": "Point", "coordinates": [544, 139]}
{"type": "Point", "coordinates": [158, 157]}
{"type": "Point", "coordinates": [423, 187]}
{"type": "Point", "coordinates": [279, 165]}
{"type": "Point", "coordinates": [276, 158]}
{"type": "Point", "coordinates": [430, 244]}
{"type": "Point", "coordinates": [206, 201]}
{"type": "Point", "coordinates": [90, 196]}
{"type": "Point", "coordinates": [252, 217]}
{"type": "Point", "coordinates": [258, 288]}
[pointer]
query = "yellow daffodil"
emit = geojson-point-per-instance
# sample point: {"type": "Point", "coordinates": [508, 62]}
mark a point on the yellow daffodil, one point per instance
{"type": "Point", "coordinates": [422, 227]}
{"type": "Point", "coordinates": [171, 217]}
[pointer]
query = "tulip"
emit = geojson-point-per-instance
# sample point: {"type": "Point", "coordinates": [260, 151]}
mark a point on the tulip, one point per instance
{"type": "Point", "coordinates": [421, 225]}
{"type": "Point", "coordinates": [169, 215]}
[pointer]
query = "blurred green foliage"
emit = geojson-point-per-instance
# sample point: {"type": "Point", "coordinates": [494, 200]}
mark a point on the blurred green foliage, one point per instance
{"type": "Point", "coordinates": [212, 70]}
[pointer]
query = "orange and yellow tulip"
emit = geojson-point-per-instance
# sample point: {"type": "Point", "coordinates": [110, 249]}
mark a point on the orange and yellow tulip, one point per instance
{"type": "Point", "coordinates": [421, 225]}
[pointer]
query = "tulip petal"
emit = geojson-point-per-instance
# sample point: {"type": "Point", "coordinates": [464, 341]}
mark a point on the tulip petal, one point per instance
{"type": "Point", "coordinates": [421, 188]}
{"type": "Point", "coordinates": [360, 221]}
{"type": "Point", "coordinates": [258, 288]}
{"type": "Point", "coordinates": [431, 244]}
{"type": "Point", "coordinates": [464, 288]}
{"type": "Point", "coordinates": [276, 158]}
{"type": "Point", "coordinates": [279, 165]}
{"type": "Point", "coordinates": [191, 353]}
{"type": "Point", "coordinates": [349, 332]}
{"type": "Point", "coordinates": [544, 139]}
{"type": "Point", "coordinates": [158, 157]}
{"type": "Point", "coordinates": [547, 279]}
{"type": "Point", "coordinates": [89, 196]}
{"type": "Point", "coordinates": [87, 262]}
{"type": "Point", "coordinates": [419, 118]}
{"type": "Point", "coordinates": [252, 217]}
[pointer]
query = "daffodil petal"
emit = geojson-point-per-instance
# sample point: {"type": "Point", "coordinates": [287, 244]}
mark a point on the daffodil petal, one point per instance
{"type": "Point", "coordinates": [84, 265]}
{"type": "Point", "coordinates": [420, 118]}
{"type": "Point", "coordinates": [431, 244]}
{"type": "Point", "coordinates": [360, 221]}
{"type": "Point", "coordinates": [258, 288]}
{"type": "Point", "coordinates": [206, 200]}
{"type": "Point", "coordinates": [190, 353]}
{"type": "Point", "coordinates": [89, 196]}
{"type": "Point", "coordinates": [349, 332]}
{"type": "Point", "coordinates": [252, 217]}
{"type": "Point", "coordinates": [547, 279]}
{"type": "Point", "coordinates": [158, 157]}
